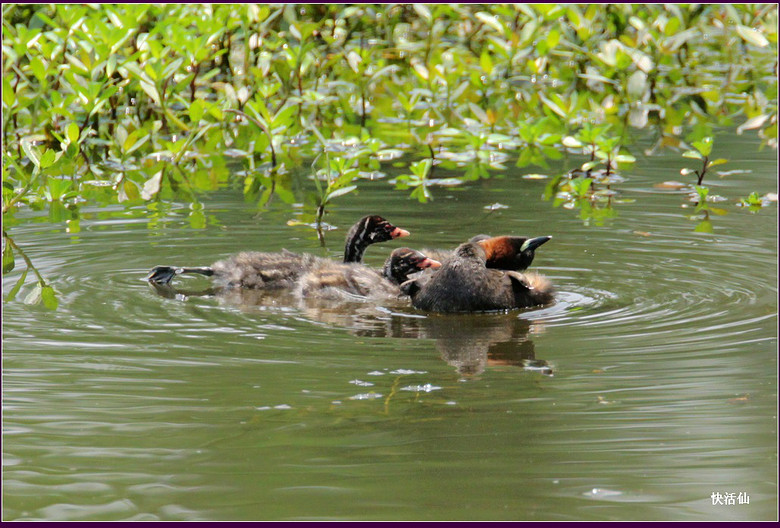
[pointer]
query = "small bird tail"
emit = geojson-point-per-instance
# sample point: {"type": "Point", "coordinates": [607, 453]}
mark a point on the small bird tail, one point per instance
{"type": "Point", "coordinates": [164, 274]}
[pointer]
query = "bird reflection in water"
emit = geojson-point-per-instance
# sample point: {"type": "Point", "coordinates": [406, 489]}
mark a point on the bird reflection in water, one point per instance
{"type": "Point", "coordinates": [470, 342]}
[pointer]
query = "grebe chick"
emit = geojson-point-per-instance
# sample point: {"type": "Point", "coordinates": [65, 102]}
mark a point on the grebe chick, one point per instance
{"type": "Point", "coordinates": [254, 269]}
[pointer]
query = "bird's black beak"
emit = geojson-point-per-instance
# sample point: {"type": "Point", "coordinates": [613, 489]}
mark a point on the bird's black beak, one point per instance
{"type": "Point", "coordinates": [533, 243]}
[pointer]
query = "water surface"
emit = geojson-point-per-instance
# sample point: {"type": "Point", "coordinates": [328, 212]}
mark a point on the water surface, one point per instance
{"type": "Point", "coordinates": [650, 385]}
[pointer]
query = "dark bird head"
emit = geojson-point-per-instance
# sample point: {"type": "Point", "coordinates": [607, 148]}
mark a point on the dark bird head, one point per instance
{"type": "Point", "coordinates": [375, 229]}
{"type": "Point", "coordinates": [510, 252]}
{"type": "Point", "coordinates": [404, 261]}
{"type": "Point", "coordinates": [369, 230]}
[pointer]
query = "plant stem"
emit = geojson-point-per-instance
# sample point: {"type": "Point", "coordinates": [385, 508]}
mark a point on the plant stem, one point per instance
{"type": "Point", "coordinates": [10, 242]}
{"type": "Point", "coordinates": [18, 197]}
{"type": "Point", "coordinates": [703, 170]}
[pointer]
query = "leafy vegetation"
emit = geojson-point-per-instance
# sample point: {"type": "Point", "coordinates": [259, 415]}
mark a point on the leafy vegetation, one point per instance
{"type": "Point", "coordinates": [115, 103]}
{"type": "Point", "coordinates": [109, 102]}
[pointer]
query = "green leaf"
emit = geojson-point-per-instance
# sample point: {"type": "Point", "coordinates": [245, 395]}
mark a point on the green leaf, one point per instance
{"type": "Point", "coordinates": [485, 62]}
{"type": "Point", "coordinates": [753, 122]}
{"type": "Point", "coordinates": [284, 117]}
{"type": "Point", "coordinates": [134, 141]}
{"type": "Point", "coordinates": [127, 191]}
{"type": "Point", "coordinates": [48, 159]}
{"type": "Point", "coordinates": [751, 36]}
{"type": "Point", "coordinates": [72, 133]}
{"type": "Point", "coordinates": [31, 153]}
{"type": "Point", "coordinates": [172, 68]}
{"type": "Point", "coordinates": [672, 25]}
{"type": "Point", "coordinates": [8, 258]}
{"type": "Point", "coordinates": [111, 65]}
{"type": "Point", "coordinates": [549, 103]}
{"type": "Point", "coordinates": [286, 195]}
{"type": "Point", "coordinates": [553, 37]}
{"type": "Point", "coordinates": [574, 15]}
{"type": "Point", "coordinates": [151, 91]}
{"type": "Point", "coordinates": [719, 161]}
{"type": "Point", "coordinates": [422, 167]}
{"type": "Point", "coordinates": [9, 96]}
{"type": "Point", "coordinates": [12, 294]}
{"type": "Point", "coordinates": [151, 186]}
{"type": "Point", "coordinates": [490, 21]}
{"type": "Point", "coordinates": [49, 298]}
{"type": "Point", "coordinates": [38, 68]}
{"type": "Point", "coordinates": [704, 146]}
{"type": "Point", "coordinates": [316, 132]}
{"type": "Point", "coordinates": [422, 11]}
{"type": "Point", "coordinates": [383, 71]}
{"type": "Point", "coordinates": [421, 193]}
{"type": "Point", "coordinates": [340, 192]}
{"type": "Point", "coordinates": [479, 113]}
{"type": "Point", "coordinates": [692, 154]}
{"type": "Point", "coordinates": [196, 110]}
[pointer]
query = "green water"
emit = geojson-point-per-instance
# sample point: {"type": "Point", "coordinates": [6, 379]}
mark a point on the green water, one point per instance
{"type": "Point", "coordinates": [650, 385]}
